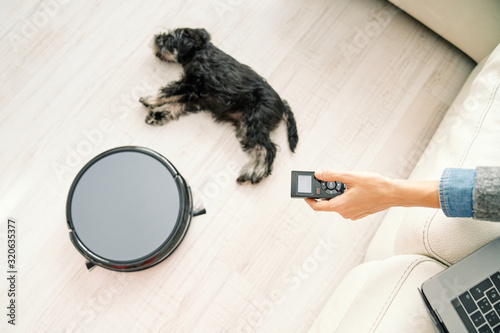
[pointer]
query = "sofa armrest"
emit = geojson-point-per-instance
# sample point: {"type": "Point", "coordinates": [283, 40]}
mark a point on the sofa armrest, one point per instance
{"type": "Point", "coordinates": [469, 136]}
{"type": "Point", "coordinates": [472, 26]}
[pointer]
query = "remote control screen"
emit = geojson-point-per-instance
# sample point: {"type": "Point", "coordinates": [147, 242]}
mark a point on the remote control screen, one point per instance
{"type": "Point", "coordinates": [304, 184]}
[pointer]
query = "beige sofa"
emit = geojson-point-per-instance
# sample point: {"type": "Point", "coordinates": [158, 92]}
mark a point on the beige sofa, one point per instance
{"type": "Point", "coordinates": [413, 244]}
{"type": "Point", "coordinates": [473, 26]}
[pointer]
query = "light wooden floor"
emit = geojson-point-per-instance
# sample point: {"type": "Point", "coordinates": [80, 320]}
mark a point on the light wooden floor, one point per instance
{"type": "Point", "coordinates": [368, 86]}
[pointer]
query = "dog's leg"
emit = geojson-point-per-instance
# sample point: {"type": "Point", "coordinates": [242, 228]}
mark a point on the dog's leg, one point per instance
{"type": "Point", "coordinates": [158, 100]}
{"type": "Point", "coordinates": [168, 94]}
{"type": "Point", "coordinates": [160, 115]}
{"type": "Point", "coordinates": [255, 169]}
{"type": "Point", "coordinates": [261, 150]}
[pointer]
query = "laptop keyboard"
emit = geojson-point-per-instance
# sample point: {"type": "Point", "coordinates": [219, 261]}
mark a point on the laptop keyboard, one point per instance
{"type": "Point", "coordinates": [479, 307]}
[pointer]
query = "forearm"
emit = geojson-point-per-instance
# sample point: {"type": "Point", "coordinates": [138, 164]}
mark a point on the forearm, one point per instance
{"type": "Point", "coordinates": [460, 193]}
{"type": "Point", "coordinates": [408, 193]}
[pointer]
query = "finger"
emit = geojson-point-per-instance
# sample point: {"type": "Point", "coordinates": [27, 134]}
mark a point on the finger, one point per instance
{"type": "Point", "coordinates": [331, 176]}
{"type": "Point", "coordinates": [322, 205]}
{"type": "Point", "coordinates": [358, 217]}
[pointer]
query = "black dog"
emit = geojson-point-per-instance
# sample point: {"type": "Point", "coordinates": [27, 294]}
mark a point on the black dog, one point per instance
{"type": "Point", "coordinates": [213, 81]}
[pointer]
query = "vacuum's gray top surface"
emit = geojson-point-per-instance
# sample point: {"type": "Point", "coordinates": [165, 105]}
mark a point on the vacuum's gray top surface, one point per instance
{"type": "Point", "coordinates": [125, 205]}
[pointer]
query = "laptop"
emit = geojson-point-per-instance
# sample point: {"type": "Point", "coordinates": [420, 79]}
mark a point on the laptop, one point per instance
{"type": "Point", "coordinates": [466, 296]}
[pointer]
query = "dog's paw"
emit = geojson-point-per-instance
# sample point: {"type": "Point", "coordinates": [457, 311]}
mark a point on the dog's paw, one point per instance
{"type": "Point", "coordinates": [146, 101]}
{"type": "Point", "coordinates": [157, 118]}
{"type": "Point", "coordinates": [242, 179]}
{"type": "Point", "coordinates": [252, 178]}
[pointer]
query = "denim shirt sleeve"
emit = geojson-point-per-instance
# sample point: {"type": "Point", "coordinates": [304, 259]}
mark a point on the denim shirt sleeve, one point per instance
{"type": "Point", "coordinates": [455, 192]}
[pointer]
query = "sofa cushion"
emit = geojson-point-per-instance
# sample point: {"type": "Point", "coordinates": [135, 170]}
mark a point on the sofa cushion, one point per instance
{"type": "Point", "coordinates": [380, 296]}
{"type": "Point", "coordinates": [469, 136]}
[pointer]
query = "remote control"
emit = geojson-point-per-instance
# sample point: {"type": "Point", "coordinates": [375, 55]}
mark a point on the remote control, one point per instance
{"type": "Point", "coordinates": [305, 185]}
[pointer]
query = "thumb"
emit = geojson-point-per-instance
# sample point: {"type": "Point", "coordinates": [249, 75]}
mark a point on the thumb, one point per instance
{"type": "Point", "coordinates": [330, 176]}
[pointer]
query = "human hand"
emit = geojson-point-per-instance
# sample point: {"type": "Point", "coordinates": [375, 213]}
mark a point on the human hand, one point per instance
{"type": "Point", "coordinates": [366, 193]}
{"type": "Point", "coordinates": [369, 193]}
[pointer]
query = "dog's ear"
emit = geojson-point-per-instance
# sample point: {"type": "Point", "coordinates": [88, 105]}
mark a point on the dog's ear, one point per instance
{"type": "Point", "coordinates": [199, 37]}
{"type": "Point", "coordinates": [190, 41]}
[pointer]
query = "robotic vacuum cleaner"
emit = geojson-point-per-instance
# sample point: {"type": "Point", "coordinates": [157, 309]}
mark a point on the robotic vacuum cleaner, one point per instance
{"type": "Point", "coordinates": [128, 209]}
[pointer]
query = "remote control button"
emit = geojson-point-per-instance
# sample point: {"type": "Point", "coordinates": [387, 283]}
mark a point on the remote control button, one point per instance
{"type": "Point", "coordinates": [323, 185]}
{"type": "Point", "coordinates": [339, 186]}
{"type": "Point", "coordinates": [330, 192]}
{"type": "Point", "coordinates": [330, 185]}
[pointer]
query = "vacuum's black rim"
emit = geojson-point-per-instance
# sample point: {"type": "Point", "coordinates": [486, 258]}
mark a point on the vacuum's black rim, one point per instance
{"type": "Point", "coordinates": [161, 252]}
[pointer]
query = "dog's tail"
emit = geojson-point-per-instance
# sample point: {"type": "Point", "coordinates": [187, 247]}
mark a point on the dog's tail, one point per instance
{"type": "Point", "coordinates": [291, 126]}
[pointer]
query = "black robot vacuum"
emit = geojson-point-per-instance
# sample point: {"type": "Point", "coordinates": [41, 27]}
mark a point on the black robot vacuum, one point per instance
{"type": "Point", "coordinates": [128, 209]}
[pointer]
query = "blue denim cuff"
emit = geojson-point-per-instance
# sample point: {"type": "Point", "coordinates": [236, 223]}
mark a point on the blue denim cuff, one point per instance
{"type": "Point", "coordinates": [455, 192]}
